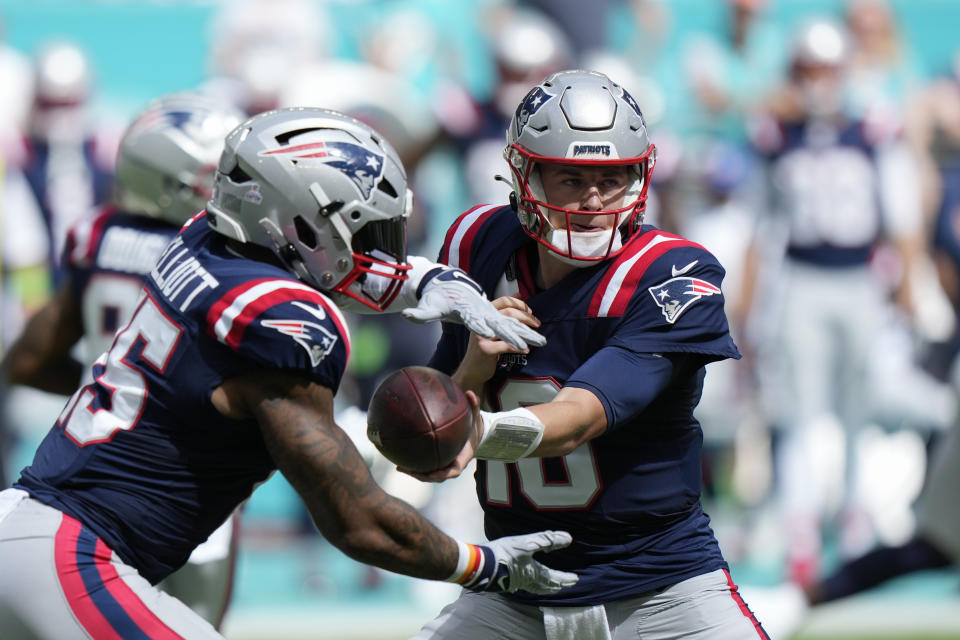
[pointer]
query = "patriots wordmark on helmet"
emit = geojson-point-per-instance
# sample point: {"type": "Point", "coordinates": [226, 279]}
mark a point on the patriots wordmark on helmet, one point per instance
{"type": "Point", "coordinates": [361, 165]}
{"type": "Point", "coordinates": [676, 295]}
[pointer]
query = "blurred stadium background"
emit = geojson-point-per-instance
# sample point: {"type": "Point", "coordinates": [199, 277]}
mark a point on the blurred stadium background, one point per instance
{"type": "Point", "coordinates": [427, 72]}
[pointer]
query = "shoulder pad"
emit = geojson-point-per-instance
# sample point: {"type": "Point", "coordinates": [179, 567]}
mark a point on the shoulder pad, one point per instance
{"type": "Point", "coordinates": [638, 265]}
{"type": "Point", "coordinates": [462, 235]}
{"type": "Point", "coordinates": [84, 237]}
{"type": "Point", "coordinates": [283, 323]}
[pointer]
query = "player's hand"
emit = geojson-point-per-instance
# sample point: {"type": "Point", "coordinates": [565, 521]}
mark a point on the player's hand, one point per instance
{"type": "Point", "coordinates": [480, 360]}
{"type": "Point", "coordinates": [451, 295]}
{"type": "Point", "coordinates": [514, 568]}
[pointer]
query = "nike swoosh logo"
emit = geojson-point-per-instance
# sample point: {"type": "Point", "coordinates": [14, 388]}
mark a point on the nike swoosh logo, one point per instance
{"type": "Point", "coordinates": [679, 272]}
{"type": "Point", "coordinates": [316, 312]}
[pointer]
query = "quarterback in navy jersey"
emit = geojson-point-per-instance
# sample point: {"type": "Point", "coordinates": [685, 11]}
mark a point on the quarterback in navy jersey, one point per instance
{"type": "Point", "coordinates": [226, 372]}
{"type": "Point", "coordinates": [593, 433]}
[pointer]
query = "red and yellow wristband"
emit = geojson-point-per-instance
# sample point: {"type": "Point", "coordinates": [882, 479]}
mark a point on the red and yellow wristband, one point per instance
{"type": "Point", "coordinates": [474, 566]}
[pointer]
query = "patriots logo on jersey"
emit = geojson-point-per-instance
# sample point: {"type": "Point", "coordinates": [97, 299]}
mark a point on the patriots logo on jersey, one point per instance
{"type": "Point", "coordinates": [677, 294]}
{"type": "Point", "coordinates": [361, 165]}
{"type": "Point", "coordinates": [530, 105]}
{"type": "Point", "coordinates": [316, 340]}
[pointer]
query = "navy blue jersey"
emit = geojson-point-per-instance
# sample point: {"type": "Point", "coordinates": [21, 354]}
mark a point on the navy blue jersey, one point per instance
{"type": "Point", "coordinates": [826, 184]}
{"type": "Point", "coordinates": [141, 455]}
{"type": "Point", "coordinates": [631, 497]}
{"type": "Point", "coordinates": [66, 188]}
{"type": "Point", "coordinates": [105, 259]}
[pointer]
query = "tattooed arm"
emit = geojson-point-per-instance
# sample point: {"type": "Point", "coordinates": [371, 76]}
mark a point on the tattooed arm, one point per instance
{"type": "Point", "coordinates": [322, 464]}
{"type": "Point", "coordinates": [40, 356]}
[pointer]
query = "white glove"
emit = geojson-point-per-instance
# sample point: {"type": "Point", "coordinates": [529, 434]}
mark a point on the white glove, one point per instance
{"type": "Point", "coordinates": [451, 295]}
{"type": "Point", "coordinates": [508, 565]}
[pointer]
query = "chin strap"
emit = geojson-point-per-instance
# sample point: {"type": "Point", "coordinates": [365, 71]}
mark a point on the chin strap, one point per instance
{"type": "Point", "coordinates": [286, 251]}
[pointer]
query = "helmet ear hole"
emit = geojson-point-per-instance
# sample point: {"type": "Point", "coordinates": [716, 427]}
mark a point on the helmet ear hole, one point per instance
{"type": "Point", "coordinates": [305, 233]}
{"type": "Point", "coordinates": [387, 188]}
{"type": "Point", "coordinates": [238, 175]}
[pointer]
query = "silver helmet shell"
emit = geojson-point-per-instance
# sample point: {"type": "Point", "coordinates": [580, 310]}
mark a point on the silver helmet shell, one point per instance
{"type": "Point", "coordinates": [578, 117]}
{"type": "Point", "coordinates": [168, 156]}
{"type": "Point", "coordinates": [323, 191]}
{"type": "Point", "coordinates": [820, 41]}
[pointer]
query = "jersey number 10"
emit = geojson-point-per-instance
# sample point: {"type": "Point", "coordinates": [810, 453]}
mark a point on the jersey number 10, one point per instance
{"type": "Point", "coordinates": [582, 478]}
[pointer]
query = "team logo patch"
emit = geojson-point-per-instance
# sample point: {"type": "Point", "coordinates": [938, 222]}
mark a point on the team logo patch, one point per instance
{"type": "Point", "coordinates": [535, 99]}
{"type": "Point", "coordinates": [253, 194]}
{"type": "Point", "coordinates": [316, 339]}
{"type": "Point", "coordinates": [358, 163]}
{"type": "Point", "coordinates": [677, 294]}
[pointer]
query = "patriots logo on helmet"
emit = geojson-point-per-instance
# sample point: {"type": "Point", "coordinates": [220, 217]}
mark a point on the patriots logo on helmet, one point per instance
{"type": "Point", "coordinates": [359, 164]}
{"type": "Point", "coordinates": [677, 294]}
{"type": "Point", "coordinates": [316, 340]}
{"type": "Point", "coordinates": [633, 104]}
{"type": "Point", "coordinates": [535, 99]}
{"type": "Point", "coordinates": [176, 118]}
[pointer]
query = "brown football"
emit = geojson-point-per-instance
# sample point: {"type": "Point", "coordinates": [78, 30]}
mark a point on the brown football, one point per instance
{"type": "Point", "coordinates": [419, 419]}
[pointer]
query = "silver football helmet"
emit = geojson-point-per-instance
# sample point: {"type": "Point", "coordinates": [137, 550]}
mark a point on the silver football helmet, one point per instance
{"type": "Point", "coordinates": [325, 192]}
{"type": "Point", "coordinates": [820, 41]}
{"type": "Point", "coordinates": [62, 75]}
{"type": "Point", "coordinates": [168, 156]}
{"type": "Point", "coordinates": [584, 118]}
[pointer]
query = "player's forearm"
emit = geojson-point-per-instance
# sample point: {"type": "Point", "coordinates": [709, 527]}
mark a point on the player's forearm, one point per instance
{"type": "Point", "coordinates": [40, 357]}
{"type": "Point", "coordinates": [567, 425]}
{"type": "Point", "coordinates": [348, 507]}
{"type": "Point", "coordinates": [392, 535]}
{"type": "Point", "coordinates": [355, 515]}
{"type": "Point", "coordinates": [55, 376]}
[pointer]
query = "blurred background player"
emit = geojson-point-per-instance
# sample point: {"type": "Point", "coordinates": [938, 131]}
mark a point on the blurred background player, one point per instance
{"type": "Point", "coordinates": [68, 158]}
{"type": "Point", "coordinates": [595, 431]}
{"type": "Point", "coordinates": [934, 128]}
{"type": "Point", "coordinates": [57, 164]}
{"type": "Point", "coordinates": [258, 46]}
{"type": "Point", "coordinates": [525, 46]}
{"type": "Point", "coordinates": [164, 176]}
{"type": "Point", "coordinates": [225, 372]}
{"type": "Point", "coordinates": [840, 187]}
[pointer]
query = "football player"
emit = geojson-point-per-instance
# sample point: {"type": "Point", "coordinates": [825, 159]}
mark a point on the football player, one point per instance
{"type": "Point", "coordinates": [164, 176]}
{"type": "Point", "coordinates": [596, 433]}
{"type": "Point", "coordinates": [839, 188]}
{"type": "Point", "coordinates": [68, 159]}
{"type": "Point", "coordinates": [224, 373]}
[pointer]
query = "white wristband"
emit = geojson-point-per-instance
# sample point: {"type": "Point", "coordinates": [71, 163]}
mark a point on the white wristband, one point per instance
{"type": "Point", "coordinates": [509, 435]}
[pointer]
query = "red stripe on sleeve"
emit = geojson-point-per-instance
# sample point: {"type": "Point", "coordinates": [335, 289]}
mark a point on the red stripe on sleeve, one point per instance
{"type": "Point", "coordinates": [218, 307]}
{"type": "Point", "coordinates": [632, 281]}
{"type": "Point", "coordinates": [466, 241]}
